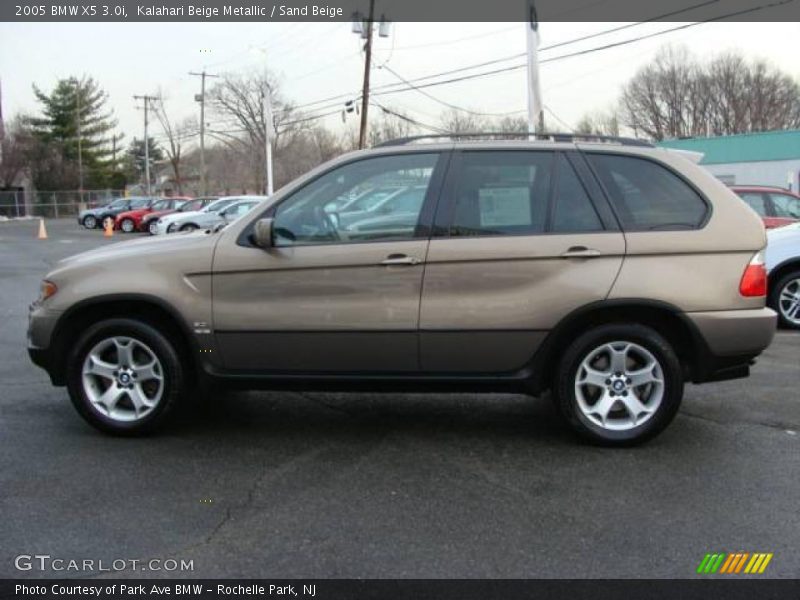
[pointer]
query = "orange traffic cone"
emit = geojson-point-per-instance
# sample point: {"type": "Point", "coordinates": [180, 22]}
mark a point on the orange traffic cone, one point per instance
{"type": "Point", "coordinates": [109, 229]}
{"type": "Point", "coordinates": [42, 231]}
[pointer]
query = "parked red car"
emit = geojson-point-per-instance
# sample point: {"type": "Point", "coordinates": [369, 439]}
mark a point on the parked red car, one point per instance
{"type": "Point", "coordinates": [149, 221]}
{"type": "Point", "coordinates": [776, 206]}
{"type": "Point", "coordinates": [131, 220]}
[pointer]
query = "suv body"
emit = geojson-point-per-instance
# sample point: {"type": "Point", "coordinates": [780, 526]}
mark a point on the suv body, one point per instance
{"type": "Point", "coordinates": [606, 273]}
{"type": "Point", "coordinates": [776, 206]}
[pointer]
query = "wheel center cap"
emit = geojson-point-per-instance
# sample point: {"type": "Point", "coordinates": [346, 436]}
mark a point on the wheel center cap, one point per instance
{"type": "Point", "coordinates": [618, 385]}
{"type": "Point", "coordinates": [124, 378]}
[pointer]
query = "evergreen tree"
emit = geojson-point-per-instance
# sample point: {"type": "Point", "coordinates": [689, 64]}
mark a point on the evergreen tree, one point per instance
{"type": "Point", "coordinates": [135, 159]}
{"type": "Point", "coordinates": [78, 105]}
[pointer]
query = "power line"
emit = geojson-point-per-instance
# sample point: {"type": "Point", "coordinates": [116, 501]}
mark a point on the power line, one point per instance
{"type": "Point", "coordinates": [448, 104]}
{"type": "Point", "coordinates": [398, 86]}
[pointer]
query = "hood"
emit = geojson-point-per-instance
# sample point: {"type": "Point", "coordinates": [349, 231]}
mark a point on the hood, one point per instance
{"type": "Point", "coordinates": [142, 249]}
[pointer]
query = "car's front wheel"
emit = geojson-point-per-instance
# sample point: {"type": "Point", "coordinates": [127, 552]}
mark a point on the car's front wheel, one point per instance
{"type": "Point", "coordinates": [189, 227]}
{"type": "Point", "coordinates": [619, 384]}
{"type": "Point", "coordinates": [90, 222]}
{"type": "Point", "coordinates": [784, 299]}
{"type": "Point", "coordinates": [124, 377]}
{"type": "Point", "coordinates": [127, 225]}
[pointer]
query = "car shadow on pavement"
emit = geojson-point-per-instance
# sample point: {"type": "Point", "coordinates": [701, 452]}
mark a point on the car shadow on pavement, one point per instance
{"type": "Point", "coordinates": [353, 415]}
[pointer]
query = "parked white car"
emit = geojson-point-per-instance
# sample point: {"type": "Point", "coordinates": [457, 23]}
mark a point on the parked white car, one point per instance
{"type": "Point", "coordinates": [783, 268]}
{"type": "Point", "coordinates": [219, 211]}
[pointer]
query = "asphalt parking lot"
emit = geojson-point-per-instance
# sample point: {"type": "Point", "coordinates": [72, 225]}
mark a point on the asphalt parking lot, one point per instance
{"type": "Point", "coordinates": [361, 485]}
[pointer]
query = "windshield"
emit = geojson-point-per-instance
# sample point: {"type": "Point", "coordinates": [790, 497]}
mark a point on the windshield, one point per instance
{"type": "Point", "coordinates": [140, 203]}
{"type": "Point", "coordinates": [162, 205]}
{"type": "Point", "coordinates": [218, 204]}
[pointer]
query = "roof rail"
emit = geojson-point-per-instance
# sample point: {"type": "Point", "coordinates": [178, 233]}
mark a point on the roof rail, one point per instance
{"type": "Point", "coordinates": [554, 137]}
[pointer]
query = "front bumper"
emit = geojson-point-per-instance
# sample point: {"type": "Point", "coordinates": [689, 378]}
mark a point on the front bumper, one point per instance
{"type": "Point", "coordinates": [41, 324]}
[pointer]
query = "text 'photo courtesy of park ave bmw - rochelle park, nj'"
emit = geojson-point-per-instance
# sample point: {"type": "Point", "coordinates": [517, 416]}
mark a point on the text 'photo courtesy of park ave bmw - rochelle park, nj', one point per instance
{"type": "Point", "coordinates": [382, 299]}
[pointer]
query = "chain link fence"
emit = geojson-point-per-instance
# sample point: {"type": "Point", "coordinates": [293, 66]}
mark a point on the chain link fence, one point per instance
{"type": "Point", "coordinates": [53, 205]}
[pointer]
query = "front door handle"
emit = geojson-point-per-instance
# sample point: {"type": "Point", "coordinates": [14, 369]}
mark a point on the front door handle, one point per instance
{"type": "Point", "coordinates": [580, 252]}
{"type": "Point", "coordinates": [400, 259]}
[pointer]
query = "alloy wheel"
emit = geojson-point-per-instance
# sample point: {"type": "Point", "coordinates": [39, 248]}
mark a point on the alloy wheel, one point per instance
{"type": "Point", "coordinates": [789, 301]}
{"type": "Point", "coordinates": [127, 226]}
{"type": "Point", "coordinates": [90, 222]}
{"type": "Point", "coordinates": [619, 386]}
{"type": "Point", "coordinates": [123, 378]}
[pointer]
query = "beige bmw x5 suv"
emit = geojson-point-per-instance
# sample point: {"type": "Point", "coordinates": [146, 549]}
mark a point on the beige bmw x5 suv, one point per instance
{"type": "Point", "coordinates": [607, 272]}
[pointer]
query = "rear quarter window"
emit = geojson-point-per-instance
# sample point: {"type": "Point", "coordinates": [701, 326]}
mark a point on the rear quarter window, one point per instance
{"type": "Point", "coordinates": [648, 196]}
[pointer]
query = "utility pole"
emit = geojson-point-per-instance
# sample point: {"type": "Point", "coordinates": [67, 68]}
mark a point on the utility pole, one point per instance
{"type": "Point", "coordinates": [363, 27]}
{"type": "Point", "coordinates": [201, 98]}
{"type": "Point", "coordinates": [362, 133]}
{"type": "Point", "coordinates": [535, 106]}
{"type": "Point", "coordinates": [80, 142]}
{"type": "Point", "coordinates": [267, 108]}
{"type": "Point", "coordinates": [146, 100]}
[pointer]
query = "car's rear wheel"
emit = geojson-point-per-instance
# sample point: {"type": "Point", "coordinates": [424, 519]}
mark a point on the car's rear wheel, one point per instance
{"type": "Point", "coordinates": [90, 222]}
{"type": "Point", "coordinates": [189, 227]}
{"type": "Point", "coordinates": [784, 299]}
{"type": "Point", "coordinates": [124, 377]}
{"type": "Point", "coordinates": [127, 225]}
{"type": "Point", "coordinates": [619, 384]}
{"type": "Point", "coordinates": [152, 227]}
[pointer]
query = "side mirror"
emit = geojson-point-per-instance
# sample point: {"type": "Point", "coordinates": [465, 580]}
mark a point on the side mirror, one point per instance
{"type": "Point", "coordinates": [262, 233]}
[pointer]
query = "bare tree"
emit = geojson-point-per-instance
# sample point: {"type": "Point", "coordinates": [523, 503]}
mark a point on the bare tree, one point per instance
{"type": "Point", "coordinates": [679, 96]}
{"type": "Point", "coordinates": [601, 123]}
{"type": "Point", "coordinates": [16, 149]}
{"type": "Point", "coordinates": [238, 100]}
{"type": "Point", "coordinates": [177, 135]}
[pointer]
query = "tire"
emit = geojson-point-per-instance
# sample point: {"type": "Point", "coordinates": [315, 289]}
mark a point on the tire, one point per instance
{"type": "Point", "coordinates": [120, 398]}
{"type": "Point", "coordinates": [611, 413]}
{"type": "Point", "coordinates": [90, 222]}
{"type": "Point", "coordinates": [189, 227]}
{"type": "Point", "coordinates": [127, 226]}
{"type": "Point", "coordinates": [784, 299]}
{"type": "Point", "coordinates": [152, 227]}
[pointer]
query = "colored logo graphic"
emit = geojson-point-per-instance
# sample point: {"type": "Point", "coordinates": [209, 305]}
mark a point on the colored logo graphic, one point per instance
{"type": "Point", "coordinates": [736, 563]}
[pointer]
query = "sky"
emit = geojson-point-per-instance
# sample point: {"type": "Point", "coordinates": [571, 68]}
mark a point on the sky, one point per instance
{"type": "Point", "coordinates": [316, 60]}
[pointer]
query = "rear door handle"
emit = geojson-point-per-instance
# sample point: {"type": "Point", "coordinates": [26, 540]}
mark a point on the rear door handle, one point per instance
{"type": "Point", "coordinates": [400, 259]}
{"type": "Point", "coordinates": [580, 252]}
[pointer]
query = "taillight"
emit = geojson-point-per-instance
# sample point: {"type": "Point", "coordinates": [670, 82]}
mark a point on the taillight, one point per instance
{"type": "Point", "coordinates": [754, 279]}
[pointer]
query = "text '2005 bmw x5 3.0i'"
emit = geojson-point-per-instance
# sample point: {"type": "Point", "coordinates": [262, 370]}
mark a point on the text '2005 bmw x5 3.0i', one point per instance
{"type": "Point", "coordinates": [608, 272]}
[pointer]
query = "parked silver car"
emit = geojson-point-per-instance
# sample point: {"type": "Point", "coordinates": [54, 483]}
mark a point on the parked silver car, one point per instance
{"type": "Point", "coordinates": [783, 267]}
{"type": "Point", "coordinates": [223, 210]}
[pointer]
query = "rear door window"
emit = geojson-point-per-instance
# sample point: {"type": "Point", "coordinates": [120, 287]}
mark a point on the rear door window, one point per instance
{"type": "Point", "coordinates": [648, 196]}
{"type": "Point", "coordinates": [573, 210]}
{"type": "Point", "coordinates": [502, 193]}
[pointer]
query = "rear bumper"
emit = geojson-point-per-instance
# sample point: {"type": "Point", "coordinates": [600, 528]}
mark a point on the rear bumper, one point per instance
{"type": "Point", "coordinates": [733, 339]}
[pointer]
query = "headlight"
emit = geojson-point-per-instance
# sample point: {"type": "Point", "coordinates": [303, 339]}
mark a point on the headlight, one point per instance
{"type": "Point", "coordinates": [47, 289]}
